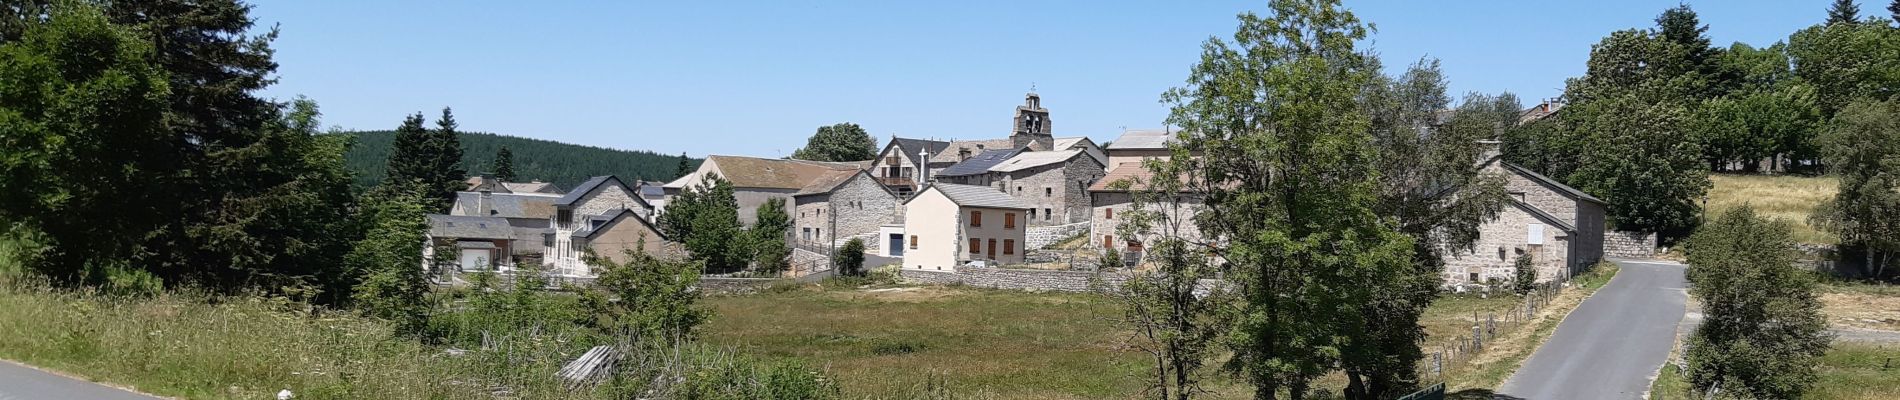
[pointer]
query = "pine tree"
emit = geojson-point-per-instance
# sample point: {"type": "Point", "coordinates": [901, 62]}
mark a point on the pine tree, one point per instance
{"type": "Point", "coordinates": [388, 259]}
{"type": "Point", "coordinates": [770, 253]}
{"type": "Point", "coordinates": [1894, 9]}
{"type": "Point", "coordinates": [685, 167]}
{"type": "Point", "coordinates": [504, 165]}
{"type": "Point", "coordinates": [407, 154]}
{"type": "Point", "coordinates": [1843, 12]}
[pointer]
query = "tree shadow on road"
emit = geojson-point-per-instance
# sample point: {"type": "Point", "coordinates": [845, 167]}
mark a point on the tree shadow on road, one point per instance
{"type": "Point", "coordinates": [1479, 394]}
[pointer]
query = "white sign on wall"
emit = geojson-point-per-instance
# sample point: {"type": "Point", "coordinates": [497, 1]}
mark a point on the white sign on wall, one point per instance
{"type": "Point", "coordinates": [1536, 234]}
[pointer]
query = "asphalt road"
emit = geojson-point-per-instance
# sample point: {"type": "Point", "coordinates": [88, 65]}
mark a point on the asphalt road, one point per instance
{"type": "Point", "coordinates": [1612, 345]}
{"type": "Point", "coordinates": [19, 382]}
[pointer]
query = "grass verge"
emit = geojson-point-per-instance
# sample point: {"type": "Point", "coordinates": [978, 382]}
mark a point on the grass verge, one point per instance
{"type": "Point", "coordinates": [1849, 371]}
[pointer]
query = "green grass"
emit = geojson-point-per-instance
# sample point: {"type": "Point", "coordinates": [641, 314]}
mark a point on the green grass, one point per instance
{"type": "Point", "coordinates": [1849, 371]}
{"type": "Point", "coordinates": [1003, 344]}
{"type": "Point", "coordinates": [1785, 197]}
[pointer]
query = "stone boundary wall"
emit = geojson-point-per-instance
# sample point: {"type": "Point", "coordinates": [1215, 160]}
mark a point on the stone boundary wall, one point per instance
{"type": "Point", "coordinates": [1029, 279]}
{"type": "Point", "coordinates": [1623, 244]}
{"type": "Point", "coordinates": [714, 285]}
{"type": "Point", "coordinates": [1043, 236]}
{"type": "Point", "coordinates": [806, 262]}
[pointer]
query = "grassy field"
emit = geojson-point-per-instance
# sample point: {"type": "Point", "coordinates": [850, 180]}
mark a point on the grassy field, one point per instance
{"type": "Point", "coordinates": [889, 341]}
{"type": "Point", "coordinates": [1785, 197]}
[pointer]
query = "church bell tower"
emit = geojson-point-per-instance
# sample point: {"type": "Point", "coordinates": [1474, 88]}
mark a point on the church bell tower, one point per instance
{"type": "Point", "coordinates": [1032, 125]}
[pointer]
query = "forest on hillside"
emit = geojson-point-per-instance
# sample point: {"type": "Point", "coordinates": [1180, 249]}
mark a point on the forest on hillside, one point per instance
{"type": "Point", "coordinates": [534, 159]}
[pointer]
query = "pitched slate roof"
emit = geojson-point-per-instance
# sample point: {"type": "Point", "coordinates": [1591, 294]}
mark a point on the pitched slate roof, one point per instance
{"type": "Point", "coordinates": [910, 147]}
{"type": "Point", "coordinates": [1143, 139]}
{"type": "Point", "coordinates": [769, 173]}
{"type": "Point", "coordinates": [980, 163]}
{"type": "Point", "coordinates": [609, 221]}
{"type": "Point", "coordinates": [581, 191]}
{"type": "Point", "coordinates": [1065, 143]}
{"type": "Point", "coordinates": [976, 196]}
{"type": "Point", "coordinates": [469, 227]}
{"type": "Point", "coordinates": [532, 187]}
{"type": "Point", "coordinates": [508, 205]}
{"type": "Point", "coordinates": [828, 182]}
{"type": "Point", "coordinates": [1560, 187]}
{"type": "Point", "coordinates": [951, 151]}
{"type": "Point", "coordinates": [1036, 159]}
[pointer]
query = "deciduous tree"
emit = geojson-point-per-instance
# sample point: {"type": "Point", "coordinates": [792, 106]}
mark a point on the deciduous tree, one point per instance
{"type": "Point", "coordinates": [389, 258]}
{"type": "Point", "coordinates": [1433, 189]}
{"type": "Point", "coordinates": [1291, 188]}
{"type": "Point", "coordinates": [1861, 147]}
{"type": "Point", "coordinates": [839, 142]}
{"type": "Point", "coordinates": [86, 161]}
{"type": "Point", "coordinates": [648, 297]}
{"type": "Point", "coordinates": [770, 253]}
{"type": "Point", "coordinates": [1762, 333]}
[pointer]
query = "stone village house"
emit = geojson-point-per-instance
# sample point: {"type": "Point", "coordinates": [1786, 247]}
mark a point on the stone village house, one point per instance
{"type": "Point", "coordinates": [756, 180]}
{"type": "Point", "coordinates": [949, 225]}
{"type": "Point", "coordinates": [905, 165]}
{"type": "Point", "coordinates": [593, 211]}
{"type": "Point", "coordinates": [845, 205]}
{"type": "Point", "coordinates": [1559, 227]}
{"type": "Point", "coordinates": [1053, 184]}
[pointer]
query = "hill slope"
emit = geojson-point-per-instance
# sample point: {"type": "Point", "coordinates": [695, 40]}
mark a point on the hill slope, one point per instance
{"type": "Point", "coordinates": [535, 159]}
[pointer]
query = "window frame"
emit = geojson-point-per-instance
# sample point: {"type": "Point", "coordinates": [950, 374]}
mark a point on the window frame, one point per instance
{"type": "Point", "coordinates": [976, 219]}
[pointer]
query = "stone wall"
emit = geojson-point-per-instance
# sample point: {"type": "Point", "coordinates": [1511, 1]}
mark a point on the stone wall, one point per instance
{"type": "Point", "coordinates": [1623, 244]}
{"type": "Point", "coordinates": [1043, 236]}
{"type": "Point", "coordinates": [1120, 204]}
{"type": "Point", "coordinates": [1032, 279]}
{"type": "Point", "coordinates": [807, 261]}
{"type": "Point", "coordinates": [712, 285]}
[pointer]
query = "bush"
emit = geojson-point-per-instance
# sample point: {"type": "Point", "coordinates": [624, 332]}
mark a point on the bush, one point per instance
{"type": "Point", "coordinates": [647, 297]}
{"type": "Point", "coordinates": [1112, 258]}
{"type": "Point", "coordinates": [850, 258]}
{"type": "Point", "coordinates": [1526, 278]}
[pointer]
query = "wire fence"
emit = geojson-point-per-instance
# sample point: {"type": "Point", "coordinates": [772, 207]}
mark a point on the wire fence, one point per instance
{"type": "Point", "coordinates": [1486, 328]}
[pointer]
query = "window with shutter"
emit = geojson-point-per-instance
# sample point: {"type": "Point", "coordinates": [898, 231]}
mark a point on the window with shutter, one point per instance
{"type": "Point", "coordinates": [1009, 246]}
{"type": "Point", "coordinates": [976, 218]}
{"type": "Point", "coordinates": [1009, 220]}
{"type": "Point", "coordinates": [976, 246]}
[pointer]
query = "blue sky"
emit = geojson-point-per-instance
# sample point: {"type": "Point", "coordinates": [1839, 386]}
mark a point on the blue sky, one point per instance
{"type": "Point", "coordinates": [756, 78]}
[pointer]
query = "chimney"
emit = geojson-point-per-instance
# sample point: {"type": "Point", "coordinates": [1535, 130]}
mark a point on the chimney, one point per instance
{"type": "Point", "coordinates": [1488, 149]}
{"type": "Point", "coordinates": [484, 206]}
{"type": "Point", "coordinates": [923, 172]}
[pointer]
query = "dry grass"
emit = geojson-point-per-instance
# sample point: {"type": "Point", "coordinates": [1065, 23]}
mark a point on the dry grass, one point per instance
{"type": "Point", "coordinates": [1861, 310]}
{"type": "Point", "coordinates": [1504, 355]}
{"type": "Point", "coordinates": [1785, 197]}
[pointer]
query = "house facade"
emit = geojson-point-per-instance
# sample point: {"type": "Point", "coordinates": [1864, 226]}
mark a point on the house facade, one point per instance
{"type": "Point", "coordinates": [620, 234]}
{"type": "Point", "coordinates": [593, 204]}
{"type": "Point", "coordinates": [835, 210]}
{"type": "Point", "coordinates": [1053, 184]}
{"type": "Point", "coordinates": [1559, 227]}
{"type": "Point", "coordinates": [527, 213]}
{"type": "Point", "coordinates": [948, 225]}
{"type": "Point", "coordinates": [1113, 204]}
{"type": "Point", "coordinates": [757, 180]}
{"type": "Point", "coordinates": [476, 244]}
{"type": "Point", "coordinates": [905, 165]}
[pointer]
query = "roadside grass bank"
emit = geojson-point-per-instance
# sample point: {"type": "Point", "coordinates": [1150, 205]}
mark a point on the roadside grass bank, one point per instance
{"type": "Point", "coordinates": [1786, 197]}
{"type": "Point", "coordinates": [184, 345]}
{"type": "Point", "coordinates": [1849, 371]}
{"type": "Point", "coordinates": [1502, 357]}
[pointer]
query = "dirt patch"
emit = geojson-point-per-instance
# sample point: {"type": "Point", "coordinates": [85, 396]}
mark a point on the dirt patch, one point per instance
{"type": "Point", "coordinates": [917, 294]}
{"type": "Point", "coordinates": [1859, 310]}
